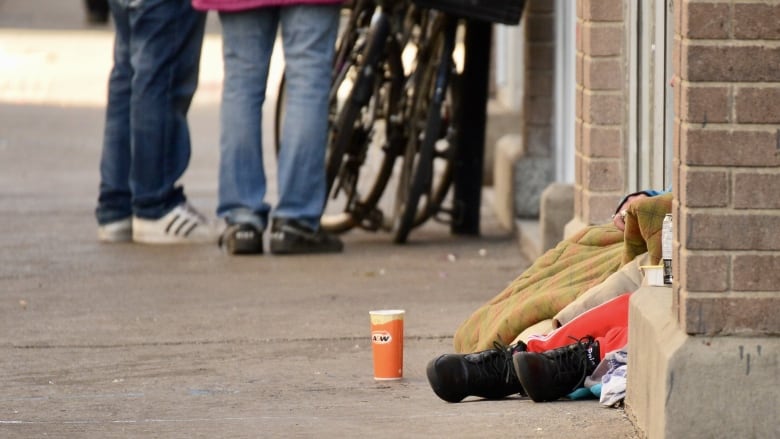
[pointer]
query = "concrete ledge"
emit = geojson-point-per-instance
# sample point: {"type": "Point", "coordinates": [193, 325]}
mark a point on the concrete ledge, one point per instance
{"type": "Point", "coordinates": [683, 386]}
{"type": "Point", "coordinates": [508, 150]}
{"type": "Point", "coordinates": [500, 122]}
{"type": "Point", "coordinates": [555, 210]}
{"type": "Point", "coordinates": [529, 238]}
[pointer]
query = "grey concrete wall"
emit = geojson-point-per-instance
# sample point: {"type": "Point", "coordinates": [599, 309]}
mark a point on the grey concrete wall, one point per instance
{"type": "Point", "coordinates": [683, 386]}
{"type": "Point", "coordinates": [531, 177]}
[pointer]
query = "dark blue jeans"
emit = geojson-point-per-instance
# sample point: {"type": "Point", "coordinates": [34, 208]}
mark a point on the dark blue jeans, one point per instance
{"type": "Point", "coordinates": [146, 145]}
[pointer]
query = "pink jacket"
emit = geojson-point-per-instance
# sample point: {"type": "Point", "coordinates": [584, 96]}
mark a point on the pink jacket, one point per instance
{"type": "Point", "coordinates": [242, 5]}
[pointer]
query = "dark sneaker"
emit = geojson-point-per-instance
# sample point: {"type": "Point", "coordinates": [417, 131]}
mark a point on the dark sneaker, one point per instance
{"type": "Point", "coordinates": [242, 239]}
{"type": "Point", "coordinates": [487, 374]}
{"type": "Point", "coordinates": [289, 236]}
{"type": "Point", "coordinates": [553, 374]}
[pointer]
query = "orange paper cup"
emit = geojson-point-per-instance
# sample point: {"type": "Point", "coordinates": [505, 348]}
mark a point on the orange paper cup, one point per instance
{"type": "Point", "coordinates": [387, 341]}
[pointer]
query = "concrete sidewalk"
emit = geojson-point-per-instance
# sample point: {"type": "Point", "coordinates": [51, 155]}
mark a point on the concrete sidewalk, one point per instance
{"type": "Point", "coordinates": [124, 340]}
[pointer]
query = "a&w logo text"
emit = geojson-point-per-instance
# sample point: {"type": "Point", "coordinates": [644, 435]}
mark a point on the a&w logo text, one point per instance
{"type": "Point", "coordinates": [381, 337]}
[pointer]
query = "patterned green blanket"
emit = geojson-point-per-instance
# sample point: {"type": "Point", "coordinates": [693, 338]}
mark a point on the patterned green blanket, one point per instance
{"type": "Point", "coordinates": [561, 274]}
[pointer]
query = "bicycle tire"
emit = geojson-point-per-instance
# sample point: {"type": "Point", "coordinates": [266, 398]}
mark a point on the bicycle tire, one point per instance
{"type": "Point", "coordinates": [372, 98]}
{"type": "Point", "coordinates": [430, 155]}
{"type": "Point", "coordinates": [357, 186]}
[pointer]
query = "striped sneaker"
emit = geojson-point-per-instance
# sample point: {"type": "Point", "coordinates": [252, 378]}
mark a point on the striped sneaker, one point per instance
{"type": "Point", "coordinates": [182, 225]}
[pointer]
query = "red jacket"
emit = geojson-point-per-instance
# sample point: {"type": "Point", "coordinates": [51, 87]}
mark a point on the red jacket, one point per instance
{"type": "Point", "coordinates": [242, 5]}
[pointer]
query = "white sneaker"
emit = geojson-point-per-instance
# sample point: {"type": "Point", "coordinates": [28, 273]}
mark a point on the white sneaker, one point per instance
{"type": "Point", "coordinates": [117, 231]}
{"type": "Point", "coordinates": [182, 225]}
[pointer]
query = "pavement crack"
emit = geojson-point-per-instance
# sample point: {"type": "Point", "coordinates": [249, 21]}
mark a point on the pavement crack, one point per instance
{"type": "Point", "coordinates": [281, 340]}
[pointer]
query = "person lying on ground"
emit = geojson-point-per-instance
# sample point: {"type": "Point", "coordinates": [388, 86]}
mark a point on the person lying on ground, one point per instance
{"type": "Point", "coordinates": [562, 274]}
{"type": "Point", "coordinates": [491, 373]}
{"type": "Point", "coordinates": [545, 368]}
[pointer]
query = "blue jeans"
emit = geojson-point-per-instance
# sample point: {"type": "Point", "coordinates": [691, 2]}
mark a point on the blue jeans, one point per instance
{"type": "Point", "coordinates": [146, 143]}
{"type": "Point", "coordinates": [308, 36]}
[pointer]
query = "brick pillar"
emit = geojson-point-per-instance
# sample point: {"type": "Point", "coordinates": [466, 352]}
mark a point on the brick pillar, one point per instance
{"type": "Point", "coordinates": [601, 118]}
{"type": "Point", "coordinates": [709, 346]}
{"type": "Point", "coordinates": [534, 169]}
{"type": "Point", "coordinates": [727, 167]}
{"type": "Point", "coordinates": [539, 71]}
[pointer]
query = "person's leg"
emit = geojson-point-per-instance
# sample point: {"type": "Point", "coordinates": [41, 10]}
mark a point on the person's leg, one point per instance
{"type": "Point", "coordinates": [308, 36]}
{"type": "Point", "coordinates": [615, 339]}
{"type": "Point", "coordinates": [247, 45]}
{"type": "Point", "coordinates": [555, 373]}
{"type": "Point", "coordinates": [597, 322]}
{"type": "Point", "coordinates": [114, 198]}
{"type": "Point", "coordinates": [556, 364]}
{"type": "Point", "coordinates": [248, 41]}
{"type": "Point", "coordinates": [165, 47]}
{"type": "Point", "coordinates": [547, 368]}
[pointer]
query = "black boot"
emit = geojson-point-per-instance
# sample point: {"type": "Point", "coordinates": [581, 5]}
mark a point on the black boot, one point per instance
{"type": "Point", "coordinates": [553, 374]}
{"type": "Point", "coordinates": [487, 374]}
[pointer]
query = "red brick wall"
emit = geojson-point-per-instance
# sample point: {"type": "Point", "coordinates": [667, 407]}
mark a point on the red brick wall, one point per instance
{"type": "Point", "coordinates": [727, 176]}
{"type": "Point", "coordinates": [601, 117]}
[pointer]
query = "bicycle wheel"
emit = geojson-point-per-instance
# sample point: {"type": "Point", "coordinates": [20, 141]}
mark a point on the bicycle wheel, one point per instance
{"type": "Point", "coordinates": [364, 142]}
{"type": "Point", "coordinates": [430, 153]}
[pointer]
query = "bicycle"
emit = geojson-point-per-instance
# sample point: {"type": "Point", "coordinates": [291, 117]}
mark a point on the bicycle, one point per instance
{"type": "Point", "coordinates": [407, 100]}
{"type": "Point", "coordinates": [370, 127]}
{"type": "Point", "coordinates": [384, 107]}
{"type": "Point", "coordinates": [430, 158]}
